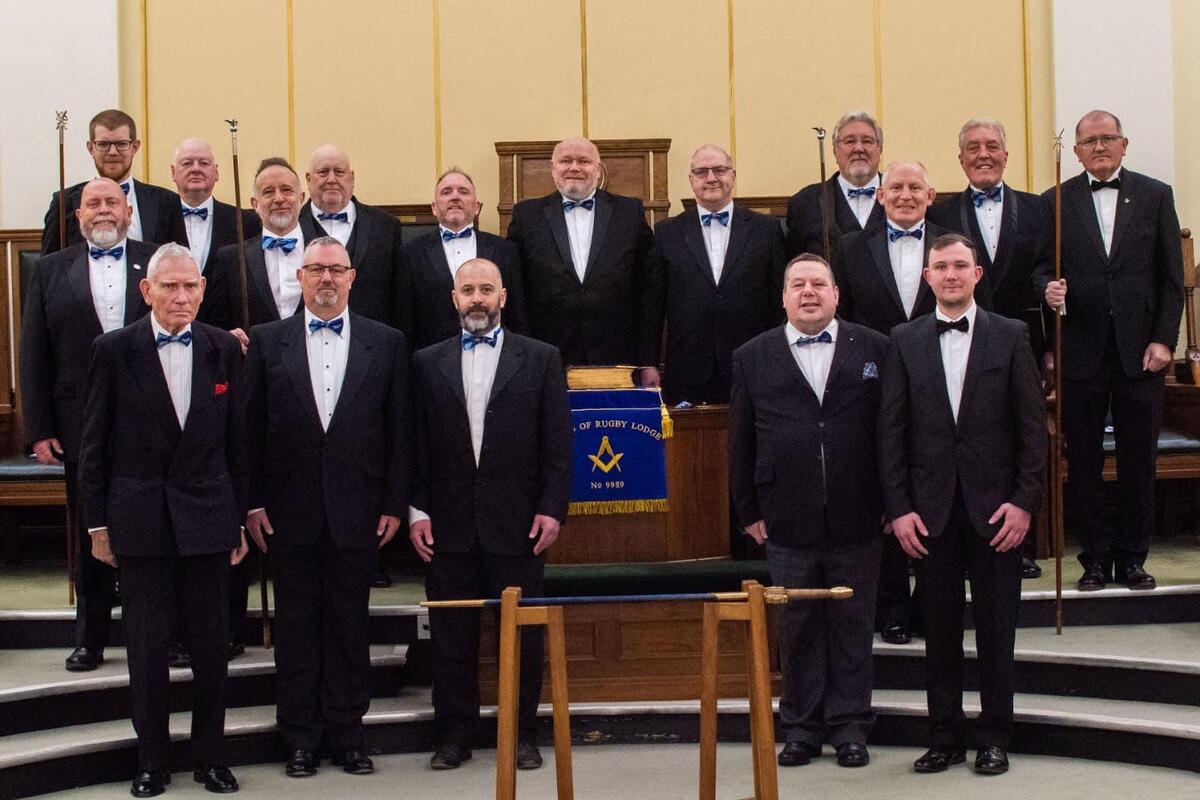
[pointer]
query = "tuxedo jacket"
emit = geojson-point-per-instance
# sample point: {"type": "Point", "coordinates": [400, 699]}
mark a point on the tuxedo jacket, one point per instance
{"type": "Point", "coordinates": [525, 463]}
{"type": "Point", "coordinates": [224, 230]}
{"type": "Point", "coordinates": [345, 477]}
{"type": "Point", "coordinates": [57, 331]}
{"type": "Point", "coordinates": [807, 468]}
{"type": "Point", "coordinates": [377, 255]}
{"type": "Point", "coordinates": [222, 304]}
{"type": "Point", "coordinates": [161, 490]}
{"type": "Point", "coordinates": [430, 315]}
{"type": "Point", "coordinates": [1025, 247]}
{"type": "Point", "coordinates": [804, 233]}
{"type": "Point", "coordinates": [159, 211]}
{"type": "Point", "coordinates": [596, 320]}
{"type": "Point", "coordinates": [1137, 288]}
{"type": "Point", "coordinates": [706, 319]}
{"type": "Point", "coordinates": [997, 448]}
{"type": "Point", "coordinates": [867, 288]}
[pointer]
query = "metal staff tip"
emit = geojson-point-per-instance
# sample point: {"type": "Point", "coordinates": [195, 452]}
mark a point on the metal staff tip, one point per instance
{"type": "Point", "coordinates": [60, 119]}
{"type": "Point", "coordinates": [820, 133]}
{"type": "Point", "coordinates": [1058, 141]}
{"type": "Point", "coordinates": [232, 123]}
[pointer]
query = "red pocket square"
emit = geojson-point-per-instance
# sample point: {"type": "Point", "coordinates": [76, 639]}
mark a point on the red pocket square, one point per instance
{"type": "Point", "coordinates": [221, 388]}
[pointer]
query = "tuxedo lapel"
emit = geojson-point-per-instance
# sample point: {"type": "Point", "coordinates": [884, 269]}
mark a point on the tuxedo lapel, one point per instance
{"type": "Point", "coordinates": [147, 370]}
{"type": "Point", "coordinates": [512, 358]}
{"type": "Point", "coordinates": [309, 227]}
{"type": "Point", "coordinates": [739, 234]}
{"type": "Point", "coordinates": [148, 209]}
{"type": "Point", "coordinates": [359, 356]}
{"type": "Point", "coordinates": [134, 272]}
{"type": "Point", "coordinates": [935, 379]}
{"type": "Point", "coordinates": [786, 362]}
{"type": "Point", "coordinates": [923, 290]}
{"type": "Point", "coordinates": [1127, 200]}
{"type": "Point", "coordinates": [204, 371]}
{"type": "Point", "coordinates": [1007, 241]}
{"type": "Point", "coordinates": [976, 358]}
{"type": "Point", "coordinates": [435, 257]}
{"type": "Point", "coordinates": [360, 236]}
{"type": "Point", "coordinates": [883, 264]}
{"type": "Point", "coordinates": [295, 360]}
{"type": "Point", "coordinates": [256, 265]}
{"type": "Point", "coordinates": [603, 211]}
{"type": "Point", "coordinates": [555, 217]}
{"type": "Point", "coordinates": [843, 215]}
{"type": "Point", "coordinates": [450, 363]}
{"type": "Point", "coordinates": [485, 247]}
{"type": "Point", "coordinates": [1077, 194]}
{"type": "Point", "coordinates": [79, 277]}
{"type": "Point", "coordinates": [693, 237]}
{"type": "Point", "coordinates": [843, 354]}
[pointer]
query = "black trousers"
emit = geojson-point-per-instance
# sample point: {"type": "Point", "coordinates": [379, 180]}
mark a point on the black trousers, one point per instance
{"type": "Point", "coordinates": [893, 602]}
{"type": "Point", "coordinates": [995, 596]}
{"type": "Point", "coordinates": [826, 645]}
{"type": "Point", "coordinates": [95, 581]}
{"type": "Point", "coordinates": [1137, 407]}
{"type": "Point", "coordinates": [455, 638]}
{"type": "Point", "coordinates": [240, 576]}
{"type": "Point", "coordinates": [150, 587]}
{"type": "Point", "coordinates": [322, 643]}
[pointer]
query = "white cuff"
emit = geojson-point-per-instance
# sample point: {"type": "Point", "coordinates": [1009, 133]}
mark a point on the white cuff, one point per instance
{"type": "Point", "coordinates": [416, 515]}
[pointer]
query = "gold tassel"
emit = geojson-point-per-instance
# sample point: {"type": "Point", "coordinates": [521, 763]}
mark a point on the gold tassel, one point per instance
{"type": "Point", "coordinates": [668, 425]}
{"type": "Point", "coordinates": [602, 507]}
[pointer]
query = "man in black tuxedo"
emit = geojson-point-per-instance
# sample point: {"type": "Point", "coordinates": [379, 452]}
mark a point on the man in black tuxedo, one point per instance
{"type": "Point", "coordinates": [879, 276]}
{"type": "Point", "coordinates": [112, 144]}
{"type": "Point", "coordinates": [802, 432]}
{"type": "Point", "coordinates": [74, 296]}
{"type": "Point", "coordinates": [583, 253]}
{"type": "Point", "coordinates": [328, 431]}
{"type": "Point", "coordinates": [962, 447]}
{"type": "Point", "coordinates": [432, 260]}
{"type": "Point", "coordinates": [162, 473]}
{"type": "Point", "coordinates": [273, 259]}
{"type": "Point", "coordinates": [1122, 286]}
{"type": "Point", "coordinates": [371, 235]}
{"type": "Point", "coordinates": [712, 275]}
{"type": "Point", "coordinates": [491, 487]}
{"type": "Point", "coordinates": [1014, 236]}
{"type": "Point", "coordinates": [849, 194]}
{"type": "Point", "coordinates": [210, 223]}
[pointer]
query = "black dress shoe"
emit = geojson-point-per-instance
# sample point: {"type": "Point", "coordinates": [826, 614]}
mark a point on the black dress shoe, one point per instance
{"type": "Point", "coordinates": [991, 760]}
{"type": "Point", "coordinates": [852, 754]}
{"type": "Point", "coordinates": [235, 649]}
{"type": "Point", "coordinates": [150, 783]}
{"type": "Point", "coordinates": [177, 657]}
{"type": "Point", "coordinates": [1092, 579]}
{"type": "Point", "coordinates": [528, 756]}
{"type": "Point", "coordinates": [1136, 578]}
{"type": "Point", "coordinates": [354, 762]}
{"type": "Point", "coordinates": [216, 779]}
{"type": "Point", "coordinates": [939, 759]}
{"type": "Point", "coordinates": [85, 659]}
{"type": "Point", "coordinates": [381, 580]}
{"type": "Point", "coordinates": [896, 633]}
{"type": "Point", "coordinates": [450, 756]}
{"type": "Point", "coordinates": [1029, 568]}
{"type": "Point", "coordinates": [797, 754]}
{"type": "Point", "coordinates": [302, 764]}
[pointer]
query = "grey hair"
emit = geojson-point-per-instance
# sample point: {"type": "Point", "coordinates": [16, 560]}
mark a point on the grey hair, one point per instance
{"type": "Point", "coordinates": [323, 241]}
{"type": "Point", "coordinates": [982, 122]}
{"type": "Point", "coordinates": [1099, 113]}
{"type": "Point", "coordinates": [714, 147]}
{"type": "Point", "coordinates": [894, 164]}
{"type": "Point", "coordinates": [170, 251]}
{"type": "Point", "coordinates": [858, 116]}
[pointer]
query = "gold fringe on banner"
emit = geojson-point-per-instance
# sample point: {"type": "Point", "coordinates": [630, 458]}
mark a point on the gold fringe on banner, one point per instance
{"type": "Point", "coordinates": [600, 507]}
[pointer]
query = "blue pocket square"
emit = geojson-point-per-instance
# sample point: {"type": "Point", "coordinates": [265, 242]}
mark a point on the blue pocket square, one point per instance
{"type": "Point", "coordinates": [870, 371]}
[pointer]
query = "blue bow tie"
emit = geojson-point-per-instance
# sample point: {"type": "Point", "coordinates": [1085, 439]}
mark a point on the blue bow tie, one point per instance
{"type": "Point", "coordinates": [895, 233]}
{"type": "Point", "coordinates": [125, 187]}
{"type": "Point", "coordinates": [202, 213]}
{"type": "Point", "coordinates": [570, 205]}
{"type": "Point", "coordinates": [340, 216]}
{"type": "Point", "coordinates": [99, 253]}
{"type": "Point", "coordinates": [866, 191]}
{"type": "Point", "coordinates": [449, 236]}
{"type": "Point", "coordinates": [469, 341]}
{"type": "Point", "coordinates": [184, 339]}
{"type": "Point", "coordinates": [821, 338]}
{"type": "Point", "coordinates": [977, 197]}
{"type": "Point", "coordinates": [334, 325]}
{"type": "Point", "coordinates": [272, 242]}
{"type": "Point", "coordinates": [721, 217]}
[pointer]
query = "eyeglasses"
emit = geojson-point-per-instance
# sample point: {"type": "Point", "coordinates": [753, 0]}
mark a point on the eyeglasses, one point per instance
{"type": "Point", "coordinates": [854, 141]}
{"type": "Point", "coordinates": [1108, 140]}
{"type": "Point", "coordinates": [335, 271]}
{"type": "Point", "coordinates": [718, 172]}
{"type": "Point", "coordinates": [122, 145]}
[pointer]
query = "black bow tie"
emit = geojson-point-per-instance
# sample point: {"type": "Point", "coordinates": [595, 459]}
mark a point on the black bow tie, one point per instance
{"type": "Point", "coordinates": [1115, 183]}
{"type": "Point", "coordinates": [960, 324]}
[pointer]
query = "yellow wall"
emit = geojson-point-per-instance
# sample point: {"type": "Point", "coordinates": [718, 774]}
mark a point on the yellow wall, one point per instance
{"type": "Point", "coordinates": [413, 86]}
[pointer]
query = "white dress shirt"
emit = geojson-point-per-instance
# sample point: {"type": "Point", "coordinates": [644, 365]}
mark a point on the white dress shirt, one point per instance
{"type": "Point", "coordinates": [814, 359]}
{"type": "Point", "coordinates": [956, 349]}
{"type": "Point", "coordinates": [716, 239]}
{"type": "Point", "coordinates": [199, 231]}
{"type": "Point", "coordinates": [108, 278]}
{"type": "Point", "coordinates": [281, 272]}
{"type": "Point", "coordinates": [176, 360]}
{"type": "Point", "coordinates": [135, 222]}
{"type": "Point", "coordinates": [327, 353]}
{"type": "Point", "coordinates": [861, 205]}
{"type": "Point", "coordinates": [989, 216]}
{"type": "Point", "coordinates": [579, 232]}
{"type": "Point", "coordinates": [338, 230]}
{"type": "Point", "coordinates": [907, 255]}
{"type": "Point", "coordinates": [1105, 201]}
{"type": "Point", "coordinates": [460, 251]}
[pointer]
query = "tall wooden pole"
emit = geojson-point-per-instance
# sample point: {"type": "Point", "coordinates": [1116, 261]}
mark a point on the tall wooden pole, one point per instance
{"type": "Point", "coordinates": [1057, 466]}
{"type": "Point", "coordinates": [60, 122]}
{"type": "Point", "coordinates": [824, 195]}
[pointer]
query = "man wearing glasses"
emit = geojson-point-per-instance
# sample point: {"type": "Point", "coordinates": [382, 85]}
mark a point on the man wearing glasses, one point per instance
{"type": "Point", "coordinates": [112, 144]}
{"type": "Point", "coordinates": [327, 428]}
{"type": "Point", "coordinates": [1121, 295]}
{"type": "Point", "coordinates": [714, 275]}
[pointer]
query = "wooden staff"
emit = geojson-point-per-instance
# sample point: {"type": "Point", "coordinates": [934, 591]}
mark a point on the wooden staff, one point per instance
{"type": "Point", "coordinates": [264, 602]}
{"type": "Point", "coordinates": [1056, 441]}
{"type": "Point", "coordinates": [60, 123]}
{"type": "Point", "coordinates": [774, 594]}
{"type": "Point", "coordinates": [824, 196]}
{"type": "Point", "coordinates": [1191, 275]}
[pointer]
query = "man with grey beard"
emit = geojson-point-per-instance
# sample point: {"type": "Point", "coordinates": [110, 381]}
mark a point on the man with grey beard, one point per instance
{"type": "Point", "coordinates": [75, 295]}
{"type": "Point", "coordinates": [327, 429]}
